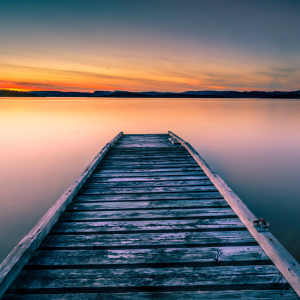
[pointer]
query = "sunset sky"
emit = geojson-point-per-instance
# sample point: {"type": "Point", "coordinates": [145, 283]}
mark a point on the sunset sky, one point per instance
{"type": "Point", "coordinates": [161, 45]}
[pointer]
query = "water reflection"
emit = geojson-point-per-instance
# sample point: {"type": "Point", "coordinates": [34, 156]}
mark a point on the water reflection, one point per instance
{"type": "Point", "coordinates": [253, 144]}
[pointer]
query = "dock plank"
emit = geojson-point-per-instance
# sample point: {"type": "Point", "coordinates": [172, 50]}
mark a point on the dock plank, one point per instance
{"type": "Point", "coordinates": [142, 240]}
{"type": "Point", "coordinates": [147, 178]}
{"type": "Point", "coordinates": [156, 204]}
{"type": "Point", "coordinates": [154, 157]}
{"type": "Point", "coordinates": [194, 277]}
{"type": "Point", "coordinates": [149, 214]}
{"type": "Point", "coordinates": [182, 295]}
{"type": "Point", "coordinates": [148, 197]}
{"type": "Point", "coordinates": [142, 151]}
{"type": "Point", "coordinates": [153, 226]}
{"type": "Point", "coordinates": [146, 167]}
{"type": "Point", "coordinates": [102, 258]}
{"type": "Point", "coordinates": [147, 190]}
{"type": "Point", "coordinates": [139, 184]}
{"type": "Point", "coordinates": [137, 161]}
{"type": "Point", "coordinates": [153, 169]}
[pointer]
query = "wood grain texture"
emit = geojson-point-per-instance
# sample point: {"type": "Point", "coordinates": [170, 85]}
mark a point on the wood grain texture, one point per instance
{"type": "Point", "coordinates": [148, 174]}
{"type": "Point", "coordinates": [142, 167]}
{"type": "Point", "coordinates": [149, 147]}
{"type": "Point", "coordinates": [153, 169]}
{"type": "Point", "coordinates": [142, 240]}
{"type": "Point", "coordinates": [136, 179]}
{"type": "Point", "coordinates": [282, 259]}
{"type": "Point", "coordinates": [159, 157]}
{"type": "Point", "coordinates": [139, 184]}
{"type": "Point", "coordinates": [14, 262]}
{"type": "Point", "coordinates": [101, 258]}
{"type": "Point", "coordinates": [147, 166]}
{"type": "Point", "coordinates": [147, 226]}
{"type": "Point", "coordinates": [238, 277]}
{"type": "Point", "coordinates": [156, 204]}
{"type": "Point", "coordinates": [144, 145]}
{"type": "Point", "coordinates": [143, 151]}
{"type": "Point", "coordinates": [161, 214]}
{"type": "Point", "coordinates": [148, 190]}
{"type": "Point", "coordinates": [148, 197]}
{"type": "Point", "coordinates": [182, 295]}
{"type": "Point", "coordinates": [125, 162]}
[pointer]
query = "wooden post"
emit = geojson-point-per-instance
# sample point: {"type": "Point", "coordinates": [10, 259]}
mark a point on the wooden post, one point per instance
{"type": "Point", "coordinates": [18, 257]}
{"type": "Point", "coordinates": [282, 259]}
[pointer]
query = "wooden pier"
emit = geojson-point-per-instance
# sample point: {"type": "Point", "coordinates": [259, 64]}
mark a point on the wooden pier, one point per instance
{"type": "Point", "coordinates": [149, 219]}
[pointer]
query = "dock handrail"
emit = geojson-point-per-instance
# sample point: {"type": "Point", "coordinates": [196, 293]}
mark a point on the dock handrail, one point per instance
{"type": "Point", "coordinates": [18, 257]}
{"type": "Point", "coordinates": [282, 259]}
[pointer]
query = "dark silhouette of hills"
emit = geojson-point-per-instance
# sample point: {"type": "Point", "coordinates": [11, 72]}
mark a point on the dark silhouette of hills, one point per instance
{"type": "Point", "coordinates": [187, 94]}
{"type": "Point", "coordinates": [8, 93]}
{"type": "Point", "coordinates": [121, 94]}
{"type": "Point", "coordinates": [207, 94]}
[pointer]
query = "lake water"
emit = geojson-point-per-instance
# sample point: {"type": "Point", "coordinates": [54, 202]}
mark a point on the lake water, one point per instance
{"type": "Point", "coordinates": [254, 145]}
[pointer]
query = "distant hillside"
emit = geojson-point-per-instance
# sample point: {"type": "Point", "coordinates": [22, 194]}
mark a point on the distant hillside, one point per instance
{"type": "Point", "coordinates": [187, 94]}
{"type": "Point", "coordinates": [8, 93]}
{"type": "Point", "coordinates": [71, 94]}
{"type": "Point", "coordinates": [121, 94]}
{"type": "Point", "coordinates": [207, 94]}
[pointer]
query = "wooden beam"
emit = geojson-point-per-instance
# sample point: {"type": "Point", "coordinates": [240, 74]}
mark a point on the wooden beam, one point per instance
{"type": "Point", "coordinates": [18, 257]}
{"type": "Point", "coordinates": [282, 259]}
{"type": "Point", "coordinates": [174, 295]}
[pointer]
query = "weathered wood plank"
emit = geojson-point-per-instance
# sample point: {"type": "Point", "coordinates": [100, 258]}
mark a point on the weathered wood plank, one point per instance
{"type": "Point", "coordinates": [140, 184]}
{"type": "Point", "coordinates": [142, 240]}
{"type": "Point", "coordinates": [149, 150]}
{"type": "Point", "coordinates": [149, 197]}
{"type": "Point", "coordinates": [157, 138]}
{"type": "Point", "coordinates": [147, 161]}
{"type": "Point", "coordinates": [145, 178]}
{"type": "Point", "coordinates": [11, 266]}
{"type": "Point", "coordinates": [125, 163]}
{"type": "Point", "coordinates": [144, 190]}
{"type": "Point", "coordinates": [182, 295]}
{"type": "Point", "coordinates": [146, 204]}
{"type": "Point", "coordinates": [210, 277]}
{"type": "Point", "coordinates": [180, 152]}
{"type": "Point", "coordinates": [145, 145]}
{"type": "Point", "coordinates": [157, 169]}
{"type": "Point", "coordinates": [145, 167]}
{"type": "Point", "coordinates": [150, 135]}
{"type": "Point", "coordinates": [150, 174]}
{"type": "Point", "coordinates": [150, 158]}
{"type": "Point", "coordinates": [206, 255]}
{"type": "Point", "coordinates": [147, 226]}
{"type": "Point", "coordinates": [148, 214]}
{"type": "Point", "coordinates": [145, 140]}
{"type": "Point", "coordinates": [287, 265]}
{"type": "Point", "coordinates": [155, 204]}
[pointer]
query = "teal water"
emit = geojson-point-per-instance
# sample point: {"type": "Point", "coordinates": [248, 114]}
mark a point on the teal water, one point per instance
{"type": "Point", "coordinates": [254, 145]}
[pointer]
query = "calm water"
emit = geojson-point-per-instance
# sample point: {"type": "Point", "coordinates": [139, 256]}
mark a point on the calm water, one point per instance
{"type": "Point", "coordinates": [253, 144]}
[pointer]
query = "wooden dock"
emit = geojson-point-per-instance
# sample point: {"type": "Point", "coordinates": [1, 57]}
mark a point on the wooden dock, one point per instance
{"type": "Point", "coordinates": [149, 219]}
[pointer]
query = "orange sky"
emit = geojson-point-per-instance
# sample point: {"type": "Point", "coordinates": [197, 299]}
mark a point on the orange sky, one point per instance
{"type": "Point", "coordinates": [135, 47]}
